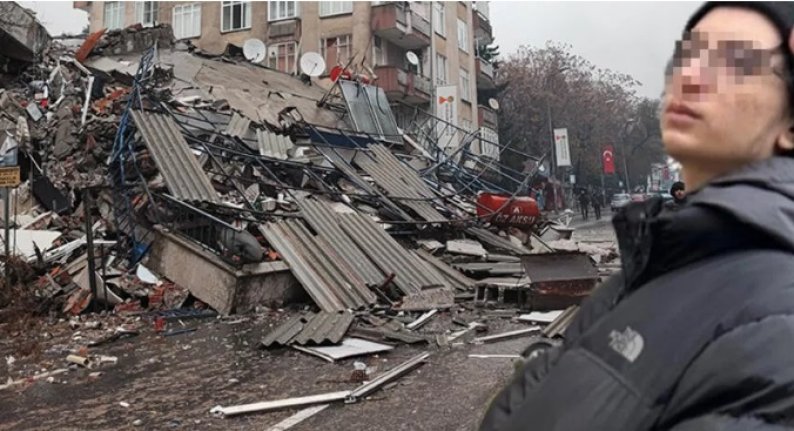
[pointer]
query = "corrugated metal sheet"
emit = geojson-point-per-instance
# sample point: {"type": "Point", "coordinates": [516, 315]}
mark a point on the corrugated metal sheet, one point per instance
{"type": "Point", "coordinates": [559, 267]}
{"type": "Point", "coordinates": [322, 218]}
{"type": "Point", "coordinates": [399, 181]}
{"type": "Point", "coordinates": [490, 268]}
{"type": "Point", "coordinates": [496, 240]}
{"type": "Point", "coordinates": [327, 278]}
{"type": "Point", "coordinates": [177, 163]}
{"type": "Point", "coordinates": [354, 177]}
{"type": "Point", "coordinates": [456, 278]}
{"type": "Point", "coordinates": [561, 324]}
{"type": "Point", "coordinates": [411, 274]}
{"type": "Point", "coordinates": [238, 126]}
{"type": "Point", "coordinates": [319, 328]}
{"type": "Point", "coordinates": [273, 145]}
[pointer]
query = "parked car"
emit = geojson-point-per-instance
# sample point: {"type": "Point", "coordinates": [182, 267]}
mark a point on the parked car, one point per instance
{"type": "Point", "coordinates": [619, 200]}
{"type": "Point", "coordinates": [637, 197]}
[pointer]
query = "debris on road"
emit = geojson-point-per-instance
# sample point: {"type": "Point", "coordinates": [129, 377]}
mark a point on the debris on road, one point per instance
{"type": "Point", "coordinates": [161, 184]}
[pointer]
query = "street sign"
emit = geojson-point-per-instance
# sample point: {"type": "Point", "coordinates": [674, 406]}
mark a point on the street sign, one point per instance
{"type": "Point", "coordinates": [562, 150]}
{"type": "Point", "coordinates": [9, 177]}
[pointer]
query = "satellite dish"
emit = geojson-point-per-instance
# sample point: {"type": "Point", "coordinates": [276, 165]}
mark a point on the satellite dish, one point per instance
{"type": "Point", "coordinates": [312, 64]}
{"type": "Point", "coordinates": [412, 58]}
{"type": "Point", "coordinates": [254, 50]}
{"type": "Point", "coordinates": [493, 103]}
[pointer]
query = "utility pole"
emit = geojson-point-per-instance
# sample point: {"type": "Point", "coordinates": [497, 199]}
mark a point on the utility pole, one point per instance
{"type": "Point", "coordinates": [552, 155]}
{"type": "Point", "coordinates": [625, 144]}
{"type": "Point", "coordinates": [6, 232]}
{"type": "Point", "coordinates": [625, 168]}
{"type": "Point", "coordinates": [433, 59]}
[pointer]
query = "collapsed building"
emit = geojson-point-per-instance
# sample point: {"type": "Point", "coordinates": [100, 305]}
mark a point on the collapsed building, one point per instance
{"type": "Point", "coordinates": [241, 186]}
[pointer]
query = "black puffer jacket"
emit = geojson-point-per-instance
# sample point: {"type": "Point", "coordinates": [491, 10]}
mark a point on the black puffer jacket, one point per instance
{"type": "Point", "coordinates": [696, 332]}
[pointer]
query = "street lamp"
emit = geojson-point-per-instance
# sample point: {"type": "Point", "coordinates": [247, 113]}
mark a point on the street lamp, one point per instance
{"type": "Point", "coordinates": [553, 158]}
{"type": "Point", "coordinates": [624, 144]}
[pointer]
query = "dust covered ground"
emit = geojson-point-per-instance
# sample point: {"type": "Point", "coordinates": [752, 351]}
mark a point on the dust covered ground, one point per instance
{"type": "Point", "coordinates": [173, 382]}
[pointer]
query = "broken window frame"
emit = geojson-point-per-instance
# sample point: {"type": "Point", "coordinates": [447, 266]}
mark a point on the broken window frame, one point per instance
{"type": "Point", "coordinates": [146, 12]}
{"type": "Point", "coordinates": [114, 15]}
{"type": "Point", "coordinates": [333, 8]}
{"type": "Point", "coordinates": [286, 56]}
{"type": "Point", "coordinates": [379, 51]}
{"type": "Point", "coordinates": [281, 10]}
{"type": "Point", "coordinates": [227, 14]}
{"type": "Point", "coordinates": [340, 46]}
{"type": "Point", "coordinates": [186, 21]}
{"type": "Point", "coordinates": [489, 138]}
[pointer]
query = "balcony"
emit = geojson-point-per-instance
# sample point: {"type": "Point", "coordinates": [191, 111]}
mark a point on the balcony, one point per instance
{"type": "Point", "coordinates": [404, 86]}
{"type": "Point", "coordinates": [487, 117]}
{"type": "Point", "coordinates": [482, 28]}
{"type": "Point", "coordinates": [485, 74]}
{"type": "Point", "coordinates": [406, 29]}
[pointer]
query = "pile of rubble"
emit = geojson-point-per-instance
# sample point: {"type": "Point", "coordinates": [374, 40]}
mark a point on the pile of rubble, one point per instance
{"type": "Point", "coordinates": [156, 177]}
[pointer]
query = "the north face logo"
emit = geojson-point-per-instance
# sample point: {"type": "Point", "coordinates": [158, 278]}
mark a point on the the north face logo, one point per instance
{"type": "Point", "coordinates": [628, 343]}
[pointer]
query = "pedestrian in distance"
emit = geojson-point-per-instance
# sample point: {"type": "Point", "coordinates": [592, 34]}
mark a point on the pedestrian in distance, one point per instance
{"type": "Point", "coordinates": [695, 333]}
{"type": "Point", "coordinates": [678, 192]}
{"type": "Point", "coordinates": [595, 199]}
{"type": "Point", "coordinates": [584, 203]}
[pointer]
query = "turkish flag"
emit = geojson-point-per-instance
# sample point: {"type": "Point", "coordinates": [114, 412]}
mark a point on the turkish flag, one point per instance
{"type": "Point", "coordinates": [608, 158]}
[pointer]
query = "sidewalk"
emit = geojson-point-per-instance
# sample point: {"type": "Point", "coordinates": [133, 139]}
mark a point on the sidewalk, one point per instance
{"type": "Point", "coordinates": [579, 223]}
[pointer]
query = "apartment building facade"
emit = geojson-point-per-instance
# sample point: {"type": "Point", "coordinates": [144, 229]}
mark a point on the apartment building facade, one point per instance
{"type": "Point", "coordinates": [371, 35]}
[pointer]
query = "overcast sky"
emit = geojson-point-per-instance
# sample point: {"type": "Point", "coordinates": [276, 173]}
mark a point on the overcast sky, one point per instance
{"type": "Point", "coordinates": [629, 37]}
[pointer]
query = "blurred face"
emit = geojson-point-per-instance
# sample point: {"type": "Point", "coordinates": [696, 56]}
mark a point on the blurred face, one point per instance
{"type": "Point", "coordinates": [725, 103]}
{"type": "Point", "coordinates": [679, 194]}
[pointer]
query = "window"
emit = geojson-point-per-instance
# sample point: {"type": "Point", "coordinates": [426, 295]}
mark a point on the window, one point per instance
{"type": "Point", "coordinates": [235, 15]}
{"type": "Point", "coordinates": [286, 54]}
{"type": "Point", "coordinates": [441, 69]}
{"type": "Point", "coordinates": [420, 8]}
{"type": "Point", "coordinates": [114, 14]}
{"type": "Point", "coordinates": [440, 18]}
{"type": "Point", "coordinates": [378, 51]}
{"type": "Point", "coordinates": [146, 12]}
{"type": "Point", "coordinates": [465, 85]}
{"type": "Point", "coordinates": [463, 35]}
{"type": "Point", "coordinates": [335, 50]}
{"type": "Point", "coordinates": [328, 8]}
{"type": "Point", "coordinates": [278, 10]}
{"type": "Point", "coordinates": [187, 21]}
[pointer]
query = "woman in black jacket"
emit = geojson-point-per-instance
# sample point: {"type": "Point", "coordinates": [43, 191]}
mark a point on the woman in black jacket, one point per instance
{"type": "Point", "coordinates": [697, 331]}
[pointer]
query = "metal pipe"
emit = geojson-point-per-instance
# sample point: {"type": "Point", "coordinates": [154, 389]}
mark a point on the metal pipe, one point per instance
{"type": "Point", "coordinates": [7, 240]}
{"type": "Point", "coordinates": [89, 238]}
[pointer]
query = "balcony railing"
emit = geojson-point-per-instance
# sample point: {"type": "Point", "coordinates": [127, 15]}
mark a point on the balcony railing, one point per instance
{"type": "Point", "coordinates": [487, 116]}
{"type": "Point", "coordinates": [485, 67]}
{"type": "Point", "coordinates": [401, 85]}
{"type": "Point", "coordinates": [390, 21]}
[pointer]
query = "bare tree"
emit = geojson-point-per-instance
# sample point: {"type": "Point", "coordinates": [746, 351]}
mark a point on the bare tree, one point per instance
{"type": "Point", "coordinates": [550, 87]}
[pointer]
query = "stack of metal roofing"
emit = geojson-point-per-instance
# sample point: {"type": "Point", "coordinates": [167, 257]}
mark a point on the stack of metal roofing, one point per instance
{"type": "Point", "coordinates": [399, 181]}
{"type": "Point", "coordinates": [319, 328]}
{"type": "Point", "coordinates": [411, 274]}
{"type": "Point", "coordinates": [325, 275]}
{"type": "Point", "coordinates": [323, 220]}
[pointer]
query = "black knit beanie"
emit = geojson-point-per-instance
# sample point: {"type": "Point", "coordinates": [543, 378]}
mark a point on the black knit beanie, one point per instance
{"type": "Point", "coordinates": [781, 14]}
